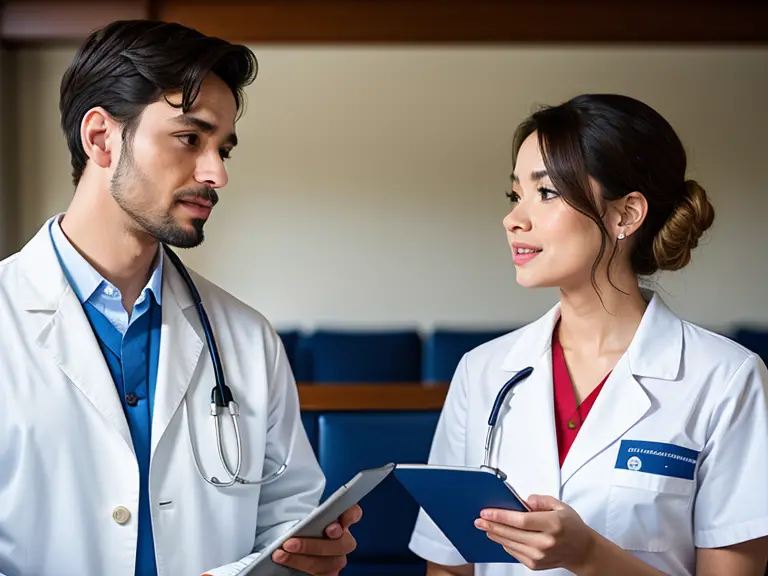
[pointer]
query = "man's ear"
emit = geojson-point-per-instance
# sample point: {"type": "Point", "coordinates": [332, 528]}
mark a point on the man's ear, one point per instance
{"type": "Point", "coordinates": [631, 211]}
{"type": "Point", "coordinates": [100, 135]}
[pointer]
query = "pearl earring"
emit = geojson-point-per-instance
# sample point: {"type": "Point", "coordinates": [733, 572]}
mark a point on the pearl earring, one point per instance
{"type": "Point", "coordinates": [621, 235]}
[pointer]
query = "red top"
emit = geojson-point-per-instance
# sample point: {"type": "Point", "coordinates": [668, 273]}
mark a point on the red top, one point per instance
{"type": "Point", "coordinates": [568, 417]}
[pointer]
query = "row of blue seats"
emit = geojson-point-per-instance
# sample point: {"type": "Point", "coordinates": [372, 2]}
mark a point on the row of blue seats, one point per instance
{"type": "Point", "coordinates": [379, 356]}
{"type": "Point", "coordinates": [403, 356]}
{"type": "Point", "coordinates": [347, 442]}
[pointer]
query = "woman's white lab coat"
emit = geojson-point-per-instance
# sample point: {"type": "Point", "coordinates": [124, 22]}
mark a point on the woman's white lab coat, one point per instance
{"type": "Point", "coordinates": [69, 480]}
{"type": "Point", "coordinates": [677, 385]}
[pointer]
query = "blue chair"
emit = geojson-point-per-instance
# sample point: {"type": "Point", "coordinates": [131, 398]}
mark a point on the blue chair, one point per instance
{"type": "Point", "coordinates": [290, 340]}
{"type": "Point", "coordinates": [444, 348]}
{"type": "Point", "coordinates": [754, 339]}
{"type": "Point", "coordinates": [309, 420]}
{"type": "Point", "coordinates": [359, 356]}
{"type": "Point", "coordinates": [349, 442]}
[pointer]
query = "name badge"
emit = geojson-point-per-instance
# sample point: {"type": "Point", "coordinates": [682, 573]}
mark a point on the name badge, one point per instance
{"type": "Point", "coordinates": [657, 458]}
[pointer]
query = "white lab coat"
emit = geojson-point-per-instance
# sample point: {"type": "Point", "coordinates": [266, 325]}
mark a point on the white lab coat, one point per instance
{"type": "Point", "coordinates": [676, 384]}
{"type": "Point", "coordinates": [66, 456]}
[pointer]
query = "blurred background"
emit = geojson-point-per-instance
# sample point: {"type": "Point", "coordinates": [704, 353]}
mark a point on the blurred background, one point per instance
{"type": "Point", "coordinates": [368, 188]}
{"type": "Point", "coordinates": [363, 212]}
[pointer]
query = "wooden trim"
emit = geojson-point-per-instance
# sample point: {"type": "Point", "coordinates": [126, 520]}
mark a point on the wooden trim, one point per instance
{"type": "Point", "coordinates": [406, 21]}
{"type": "Point", "coordinates": [483, 21]}
{"type": "Point", "coordinates": [56, 22]}
{"type": "Point", "coordinates": [337, 397]}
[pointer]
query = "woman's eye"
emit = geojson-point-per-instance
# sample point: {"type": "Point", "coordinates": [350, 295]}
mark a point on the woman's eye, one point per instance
{"type": "Point", "coordinates": [548, 193]}
{"type": "Point", "coordinates": [513, 197]}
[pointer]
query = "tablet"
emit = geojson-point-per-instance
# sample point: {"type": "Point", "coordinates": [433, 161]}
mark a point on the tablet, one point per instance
{"type": "Point", "coordinates": [314, 525]}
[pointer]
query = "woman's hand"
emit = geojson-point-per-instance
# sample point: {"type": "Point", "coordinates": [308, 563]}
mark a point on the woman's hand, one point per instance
{"type": "Point", "coordinates": [552, 535]}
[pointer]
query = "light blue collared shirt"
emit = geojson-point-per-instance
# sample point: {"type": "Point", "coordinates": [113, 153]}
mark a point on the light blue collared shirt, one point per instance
{"type": "Point", "coordinates": [90, 286]}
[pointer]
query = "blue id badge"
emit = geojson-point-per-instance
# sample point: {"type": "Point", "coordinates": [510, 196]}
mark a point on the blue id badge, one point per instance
{"type": "Point", "coordinates": [657, 458]}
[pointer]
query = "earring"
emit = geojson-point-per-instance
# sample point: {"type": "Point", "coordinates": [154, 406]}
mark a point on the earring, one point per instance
{"type": "Point", "coordinates": [621, 236]}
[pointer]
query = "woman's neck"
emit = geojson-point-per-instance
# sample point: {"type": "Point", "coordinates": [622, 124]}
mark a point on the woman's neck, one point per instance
{"type": "Point", "coordinates": [598, 324]}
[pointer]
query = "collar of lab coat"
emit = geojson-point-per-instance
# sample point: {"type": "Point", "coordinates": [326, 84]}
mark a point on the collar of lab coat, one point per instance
{"type": "Point", "coordinates": [46, 283]}
{"type": "Point", "coordinates": [65, 334]}
{"type": "Point", "coordinates": [655, 351]}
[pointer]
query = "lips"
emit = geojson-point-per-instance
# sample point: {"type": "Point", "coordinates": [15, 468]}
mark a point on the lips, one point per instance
{"type": "Point", "coordinates": [198, 202]}
{"type": "Point", "coordinates": [197, 208]}
{"type": "Point", "coordinates": [524, 253]}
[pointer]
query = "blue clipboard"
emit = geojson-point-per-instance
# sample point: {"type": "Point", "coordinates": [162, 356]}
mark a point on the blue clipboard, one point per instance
{"type": "Point", "coordinates": [453, 498]}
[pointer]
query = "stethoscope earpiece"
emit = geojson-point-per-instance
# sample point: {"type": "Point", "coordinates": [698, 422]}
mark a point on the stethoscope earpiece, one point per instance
{"type": "Point", "coordinates": [496, 409]}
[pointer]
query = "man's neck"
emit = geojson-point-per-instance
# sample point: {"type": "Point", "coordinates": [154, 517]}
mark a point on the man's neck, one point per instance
{"type": "Point", "coordinates": [106, 237]}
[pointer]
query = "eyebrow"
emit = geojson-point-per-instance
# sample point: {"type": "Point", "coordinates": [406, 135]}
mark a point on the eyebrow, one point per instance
{"type": "Point", "coordinates": [536, 175]}
{"type": "Point", "coordinates": [204, 126]}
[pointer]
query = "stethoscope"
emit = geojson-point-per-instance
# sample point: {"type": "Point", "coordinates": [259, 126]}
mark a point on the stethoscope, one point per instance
{"type": "Point", "coordinates": [495, 410]}
{"type": "Point", "coordinates": [221, 396]}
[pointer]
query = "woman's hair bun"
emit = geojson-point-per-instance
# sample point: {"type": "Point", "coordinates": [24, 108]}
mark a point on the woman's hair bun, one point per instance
{"type": "Point", "coordinates": [680, 234]}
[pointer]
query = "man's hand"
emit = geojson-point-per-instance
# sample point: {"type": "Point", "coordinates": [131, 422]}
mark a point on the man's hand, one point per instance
{"type": "Point", "coordinates": [322, 556]}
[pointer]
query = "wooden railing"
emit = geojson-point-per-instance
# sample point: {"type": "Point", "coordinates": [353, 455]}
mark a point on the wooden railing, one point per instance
{"type": "Point", "coordinates": [369, 397]}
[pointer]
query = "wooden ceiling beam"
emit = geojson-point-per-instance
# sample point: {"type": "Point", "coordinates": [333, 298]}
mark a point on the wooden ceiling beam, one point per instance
{"type": "Point", "coordinates": [475, 21]}
{"type": "Point", "coordinates": [405, 21]}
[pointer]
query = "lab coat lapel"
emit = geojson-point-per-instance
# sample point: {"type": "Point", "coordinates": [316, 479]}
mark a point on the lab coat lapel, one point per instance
{"type": "Point", "coordinates": [623, 401]}
{"type": "Point", "coordinates": [66, 335]}
{"type": "Point", "coordinates": [620, 405]}
{"type": "Point", "coordinates": [180, 349]}
{"type": "Point", "coordinates": [527, 449]}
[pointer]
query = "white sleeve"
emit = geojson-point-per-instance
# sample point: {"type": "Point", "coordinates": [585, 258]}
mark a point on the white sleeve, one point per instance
{"type": "Point", "coordinates": [297, 491]}
{"type": "Point", "coordinates": [448, 448]}
{"type": "Point", "coordinates": [732, 499]}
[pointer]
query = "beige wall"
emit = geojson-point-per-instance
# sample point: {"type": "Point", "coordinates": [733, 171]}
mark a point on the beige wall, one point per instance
{"type": "Point", "coordinates": [369, 186]}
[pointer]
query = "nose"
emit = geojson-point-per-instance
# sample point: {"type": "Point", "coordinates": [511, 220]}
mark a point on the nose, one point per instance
{"type": "Point", "coordinates": [518, 219]}
{"type": "Point", "coordinates": [211, 170]}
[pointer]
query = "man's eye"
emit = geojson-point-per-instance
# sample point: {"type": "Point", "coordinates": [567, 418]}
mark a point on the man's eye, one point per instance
{"type": "Point", "coordinates": [189, 139]}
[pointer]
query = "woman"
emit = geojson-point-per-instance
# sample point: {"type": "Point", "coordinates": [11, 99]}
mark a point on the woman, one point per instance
{"type": "Point", "coordinates": [640, 441]}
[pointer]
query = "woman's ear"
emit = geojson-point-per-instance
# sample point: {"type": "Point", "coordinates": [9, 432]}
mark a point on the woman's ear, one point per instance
{"type": "Point", "coordinates": [630, 213]}
{"type": "Point", "coordinates": [99, 134]}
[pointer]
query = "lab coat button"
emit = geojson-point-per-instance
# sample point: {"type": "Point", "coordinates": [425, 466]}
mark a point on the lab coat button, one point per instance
{"type": "Point", "coordinates": [121, 515]}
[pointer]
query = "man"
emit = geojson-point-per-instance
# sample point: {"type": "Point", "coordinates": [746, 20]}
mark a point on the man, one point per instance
{"type": "Point", "coordinates": [109, 461]}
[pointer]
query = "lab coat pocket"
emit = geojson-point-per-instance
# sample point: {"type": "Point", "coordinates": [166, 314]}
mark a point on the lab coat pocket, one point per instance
{"type": "Point", "coordinates": [648, 512]}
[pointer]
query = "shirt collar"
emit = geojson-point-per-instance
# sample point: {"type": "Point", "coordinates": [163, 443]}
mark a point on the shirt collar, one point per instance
{"type": "Point", "coordinates": [84, 278]}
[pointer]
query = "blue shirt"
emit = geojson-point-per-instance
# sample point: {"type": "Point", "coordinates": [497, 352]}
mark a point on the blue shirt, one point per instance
{"type": "Point", "coordinates": [130, 344]}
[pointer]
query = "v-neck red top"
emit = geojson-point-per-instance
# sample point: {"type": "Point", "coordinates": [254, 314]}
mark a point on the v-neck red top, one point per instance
{"type": "Point", "coordinates": [569, 418]}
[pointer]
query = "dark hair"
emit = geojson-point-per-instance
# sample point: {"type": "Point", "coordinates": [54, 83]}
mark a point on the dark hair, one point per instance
{"type": "Point", "coordinates": [130, 64]}
{"type": "Point", "coordinates": [625, 146]}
